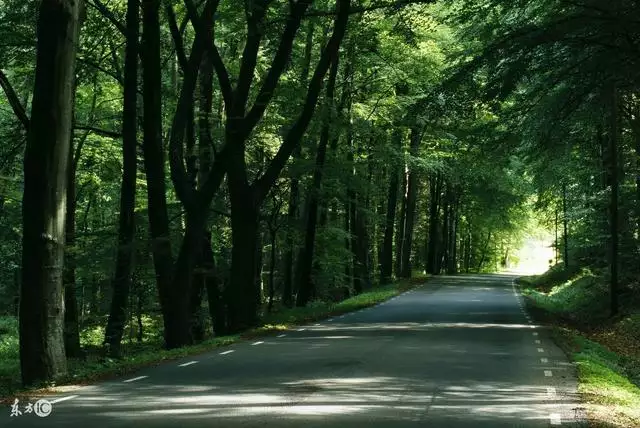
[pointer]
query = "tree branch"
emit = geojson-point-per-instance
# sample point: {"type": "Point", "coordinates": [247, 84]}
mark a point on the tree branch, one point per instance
{"type": "Point", "coordinates": [295, 133]}
{"type": "Point", "coordinates": [104, 11]}
{"type": "Point", "coordinates": [99, 131]}
{"type": "Point", "coordinates": [176, 35]}
{"type": "Point", "coordinates": [14, 101]}
{"type": "Point", "coordinates": [278, 65]}
{"type": "Point", "coordinates": [218, 64]}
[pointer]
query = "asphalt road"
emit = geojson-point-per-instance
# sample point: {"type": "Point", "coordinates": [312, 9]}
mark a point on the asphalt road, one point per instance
{"type": "Point", "coordinates": [456, 352]}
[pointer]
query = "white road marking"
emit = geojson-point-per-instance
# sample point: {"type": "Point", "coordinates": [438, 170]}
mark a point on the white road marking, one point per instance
{"type": "Point", "coordinates": [188, 364]}
{"type": "Point", "coordinates": [538, 342]}
{"type": "Point", "coordinates": [316, 325]}
{"type": "Point", "coordinates": [535, 333]}
{"type": "Point", "coordinates": [257, 343]}
{"type": "Point", "coordinates": [301, 329]}
{"type": "Point", "coordinates": [540, 350]}
{"type": "Point", "coordinates": [548, 373]}
{"type": "Point", "coordinates": [135, 378]}
{"type": "Point", "coordinates": [544, 360]}
{"type": "Point", "coordinates": [281, 335]}
{"type": "Point", "coordinates": [58, 400]}
{"type": "Point", "coordinates": [226, 352]}
{"type": "Point", "coordinates": [330, 319]}
{"type": "Point", "coordinates": [551, 392]}
{"type": "Point", "coordinates": [555, 419]}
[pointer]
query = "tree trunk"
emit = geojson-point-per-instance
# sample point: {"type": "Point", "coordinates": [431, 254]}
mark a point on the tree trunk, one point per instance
{"type": "Point", "coordinates": [434, 209]}
{"type": "Point", "coordinates": [242, 292]}
{"type": "Point", "coordinates": [46, 163]}
{"type": "Point", "coordinates": [386, 263]}
{"type": "Point", "coordinates": [614, 220]}
{"type": "Point", "coordinates": [400, 236]}
{"type": "Point", "coordinates": [565, 222]}
{"type": "Point", "coordinates": [412, 197]}
{"type": "Point", "coordinates": [484, 252]}
{"type": "Point", "coordinates": [272, 265]}
{"type": "Point", "coordinates": [71, 327]}
{"type": "Point", "coordinates": [305, 261]}
{"type": "Point", "coordinates": [124, 261]}
{"type": "Point", "coordinates": [293, 213]}
{"type": "Point", "coordinates": [154, 168]}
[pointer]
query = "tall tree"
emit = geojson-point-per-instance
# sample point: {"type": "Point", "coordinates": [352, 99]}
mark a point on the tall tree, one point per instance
{"type": "Point", "coordinates": [42, 355]}
{"type": "Point", "coordinates": [126, 230]}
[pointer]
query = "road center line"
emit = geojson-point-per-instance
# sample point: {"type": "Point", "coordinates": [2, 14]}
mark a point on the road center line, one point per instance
{"type": "Point", "coordinates": [537, 342]}
{"type": "Point", "coordinates": [544, 360]}
{"type": "Point", "coordinates": [281, 335]}
{"type": "Point", "coordinates": [257, 343]}
{"type": "Point", "coordinates": [58, 400]}
{"type": "Point", "coordinates": [540, 350]}
{"type": "Point", "coordinates": [535, 333]}
{"type": "Point", "coordinates": [187, 364]}
{"type": "Point", "coordinates": [226, 352]}
{"type": "Point", "coordinates": [135, 379]}
{"type": "Point", "coordinates": [548, 373]}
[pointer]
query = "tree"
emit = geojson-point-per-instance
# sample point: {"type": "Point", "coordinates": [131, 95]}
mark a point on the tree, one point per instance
{"type": "Point", "coordinates": [46, 162]}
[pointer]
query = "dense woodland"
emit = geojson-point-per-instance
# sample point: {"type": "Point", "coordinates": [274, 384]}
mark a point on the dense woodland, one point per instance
{"type": "Point", "coordinates": [205, 162]}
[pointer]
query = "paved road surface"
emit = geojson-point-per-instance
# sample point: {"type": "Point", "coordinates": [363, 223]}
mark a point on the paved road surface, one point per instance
{"type": "Point", "coordinates": [456, 352]}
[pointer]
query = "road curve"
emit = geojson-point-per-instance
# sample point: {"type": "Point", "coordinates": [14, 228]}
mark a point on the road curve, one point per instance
{"type": "Point", "coordinates": [458, 351]}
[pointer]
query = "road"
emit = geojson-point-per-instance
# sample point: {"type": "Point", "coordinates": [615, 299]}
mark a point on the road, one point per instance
{"type": "Point", "coordinates": [458, 351]}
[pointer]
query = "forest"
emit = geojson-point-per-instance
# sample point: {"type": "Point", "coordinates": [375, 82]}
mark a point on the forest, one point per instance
{"type": "Point", "coordinates": [173, 172]}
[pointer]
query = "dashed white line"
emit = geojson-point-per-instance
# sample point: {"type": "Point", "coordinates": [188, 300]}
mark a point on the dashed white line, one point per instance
{"type": "Point", "coordinates": [226, 352]}
{"type": "Point", "coordinates": [135, 379]}
{"type": "Point", "coordinates": [540, 350]}
{"type": "Point", "coordinates": [548, 373]}
{"type": "Point", "coordinates": [187, 364]}
{"type": "Point", "coordinates": [551, 392]}
{"type": "Point", "coordinates": [544, 360]}
{"type": "Point", "coordinates": [535, 333]}
{"type": "Point", "coordinates": [59, 400]}
{"type": "Point", "coordinates": [257, 343]}
{"type": "Point", "coordinates": [537, 342]}
{"type": "Point", "coordinates": [330, 319]}
{"type": "Point", "coordinates": [301, 329]}
{"type": "Point", "coordinates": [281, 335]}
{"type": "Point", "coordinates": [555, 419]}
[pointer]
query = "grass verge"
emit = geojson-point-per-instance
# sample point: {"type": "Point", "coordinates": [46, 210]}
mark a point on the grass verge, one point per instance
{"type": "Point", "coordinates": [606, 350]}
{"type": "Point", "coordinates": [95, 366]}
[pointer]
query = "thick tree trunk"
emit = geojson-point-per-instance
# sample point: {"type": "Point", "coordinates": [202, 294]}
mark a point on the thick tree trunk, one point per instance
{"type": "Point", "coordinates": [242, 292]}
{"type": "Point", "coordinates": [412, 197]}
{"type": "Point", "coordinates": [42, 354]}
{"type": "Point", "coordinates": [126, 231]}
{"type": "Point", "coordinates": [386, 262]}
{"type": "Point", "coordinates": [154, 168]}
{"type": "Point", "coordinates": [305, 261]}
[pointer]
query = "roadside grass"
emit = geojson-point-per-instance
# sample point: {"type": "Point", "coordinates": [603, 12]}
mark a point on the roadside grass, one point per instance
{"type": "Point", "coordinates": [96, 366]}
{"type": "Point", "coordinates": [606, 350]}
